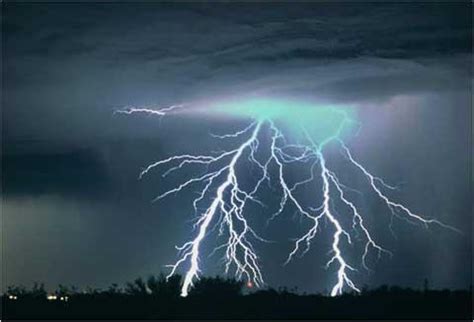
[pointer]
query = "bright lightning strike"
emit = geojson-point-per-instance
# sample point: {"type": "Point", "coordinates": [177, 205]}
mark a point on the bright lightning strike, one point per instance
{"type": "Point", "coordinates": [225, 199]}
{"type": "Point", "coordinates": [160, 112]}
{"type": "Point", "coordinates": [231, 212]}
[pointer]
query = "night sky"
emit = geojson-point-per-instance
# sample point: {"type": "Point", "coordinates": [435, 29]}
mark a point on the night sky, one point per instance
{"type": "Point", "coordinates": [74, 211]}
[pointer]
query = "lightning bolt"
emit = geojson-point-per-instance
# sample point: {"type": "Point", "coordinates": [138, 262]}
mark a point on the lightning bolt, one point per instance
{"type": "Point", "coordinates": [395, 208]}
{"type": "Point", "coordinates": [160, 112]}
{"type": "Point", "coordinates": [231, 212]}
{"type": "Point", "coordinates": [225, 210]}
{"type": "Point", "coordinates": [225, 201]}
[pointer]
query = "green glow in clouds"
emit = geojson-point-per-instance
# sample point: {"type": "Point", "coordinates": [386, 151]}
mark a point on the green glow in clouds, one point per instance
{"type": "Point", "coordinates": [320, 123]}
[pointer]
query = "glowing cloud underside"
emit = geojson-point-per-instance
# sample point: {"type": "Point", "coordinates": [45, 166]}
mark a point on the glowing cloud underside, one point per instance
{"type": "Point", "coordinates": [222, 200]}
{"type": "Point", "coordinates": [297, 119]}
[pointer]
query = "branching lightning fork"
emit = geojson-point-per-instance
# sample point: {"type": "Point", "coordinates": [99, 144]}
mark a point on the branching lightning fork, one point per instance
{"type": "Point", "coordinates": [227, 201]}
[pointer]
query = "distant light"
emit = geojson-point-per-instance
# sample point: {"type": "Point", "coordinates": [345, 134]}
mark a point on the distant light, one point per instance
{"type": "Point", "coordinates": [52, 297]}
{"type": "Point", "coordinates": [249, 284]}
{"type": "Point", "coordinates": [12, 297]}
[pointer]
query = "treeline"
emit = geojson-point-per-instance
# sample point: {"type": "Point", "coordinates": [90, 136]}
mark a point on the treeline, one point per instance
{"type": "Point", "coordinates": [217, 298]}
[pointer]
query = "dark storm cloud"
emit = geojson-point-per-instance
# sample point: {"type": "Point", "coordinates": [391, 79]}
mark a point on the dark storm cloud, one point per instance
{"type": "Point", "coordinates": [251, 34]}
{"type": "Point", "coordinates": [407, 79]}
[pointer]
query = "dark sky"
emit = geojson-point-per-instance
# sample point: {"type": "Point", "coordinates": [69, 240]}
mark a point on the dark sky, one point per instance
{"type": "Point", "coordinates": [73, 209]}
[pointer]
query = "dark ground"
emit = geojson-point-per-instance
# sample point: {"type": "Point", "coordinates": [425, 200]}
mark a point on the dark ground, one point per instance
{"type": "Point", "coordinates": [215, 298]}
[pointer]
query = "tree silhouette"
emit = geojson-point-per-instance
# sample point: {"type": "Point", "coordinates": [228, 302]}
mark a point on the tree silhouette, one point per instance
{"type": "Point", "coordinates": [137, 287]}
{"type": "Point", "coordinates": [63, 290]}
{"type": "Point", "coordinates": [38, 291]}
{"type": "Point", "coordinates": [217, 287]}
{"type": "Point", "coordinates": [426, 285]}
{"type": "Point", "coordinates": [219, 298]}
{"type": "Point", "coordinates": [164, 287]}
